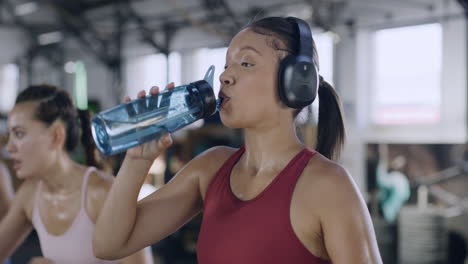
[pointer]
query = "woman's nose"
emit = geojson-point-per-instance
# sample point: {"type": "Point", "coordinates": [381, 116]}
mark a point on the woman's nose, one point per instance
{"type": "Point", "coordinates": [10, 146]}
{"type": "Point", "coordinates": [226, 78]}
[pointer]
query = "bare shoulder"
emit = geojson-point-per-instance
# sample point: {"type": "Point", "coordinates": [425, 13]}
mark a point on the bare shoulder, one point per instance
{"type": "Point", "coordinates": [214, 156]}
{"type": "Point", "coordinates": [327, 183]}
{"type": "Point", "coordinates": [323, 170]}
{"type": "Point", "coordinates": [330, 195]}
{"type": "Point", "coordinates": [100, 180]}
{"type": "Point", "coordinates": [208, 163]}
{"type": "Point", "coordinates": [25, 196]}
{"type": "Point", "coordinates": [99, 184]}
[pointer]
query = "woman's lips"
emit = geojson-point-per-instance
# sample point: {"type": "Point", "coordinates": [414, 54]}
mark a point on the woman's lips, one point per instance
{"type": "Point", "coordinates": [16, 165]}
{"type": "Point", "coordinates": [224, 98]}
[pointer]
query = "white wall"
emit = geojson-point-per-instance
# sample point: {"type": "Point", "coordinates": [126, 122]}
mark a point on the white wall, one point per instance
{"type": "Point", "coordinates": [452, 127]}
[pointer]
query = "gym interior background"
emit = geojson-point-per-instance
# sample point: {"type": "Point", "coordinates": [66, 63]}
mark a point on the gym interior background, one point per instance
{"type": "Point", "coordinates": [400, 67]}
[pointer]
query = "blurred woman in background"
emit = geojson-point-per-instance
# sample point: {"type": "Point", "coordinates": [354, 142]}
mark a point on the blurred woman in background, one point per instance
{"type": "Point", "coordinates": [6, 186]}
{"type": "Point", "coordinates": [59, 197]}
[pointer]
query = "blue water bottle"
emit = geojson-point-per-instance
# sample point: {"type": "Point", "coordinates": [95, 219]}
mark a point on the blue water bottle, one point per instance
{"type": "Point", "coordinates": [141, 120]}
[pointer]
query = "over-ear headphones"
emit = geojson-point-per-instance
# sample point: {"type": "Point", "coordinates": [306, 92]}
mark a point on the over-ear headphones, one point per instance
{"type": "Point", "coordinates": [298, 78]}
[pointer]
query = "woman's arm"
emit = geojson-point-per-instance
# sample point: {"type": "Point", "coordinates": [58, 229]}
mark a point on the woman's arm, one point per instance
{"type": "Point", "coordinates": [99, 184]}
{"type": "Point", "coordinates": [15, 226]}
{"type": "Point", "coordinates": [6, 190]}
{"type": "Point", "coordinates": [124, 227]}
{"type": "Point", "coordinates": [347, 227]}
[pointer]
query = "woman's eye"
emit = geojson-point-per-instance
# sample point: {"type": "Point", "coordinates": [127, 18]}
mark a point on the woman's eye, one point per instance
{"type": "Point", "coordinates": [246, 64]}
{"type": "Point", "coordinates": [19, 134]}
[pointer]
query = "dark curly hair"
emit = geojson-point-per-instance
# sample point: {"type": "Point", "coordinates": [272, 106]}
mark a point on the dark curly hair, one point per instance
{"type": "Point", "coordinates": [56, 104]}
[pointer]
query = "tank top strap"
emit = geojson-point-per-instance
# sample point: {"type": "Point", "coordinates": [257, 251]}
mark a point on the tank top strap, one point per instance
{"type": "Point", "coordinates": [302, 161]}
{"type": "Point", "coordinates": [36, 198]}
{"type": "Point", "coordinates": [294, 169]}
{"type": "Point", "coordinates": [225, 171]}
{"type": "Point", "coordinates": [84, 186]}
{"type": "Point", "coordinates": [230, 162]}
{"type": "Point", "coordinates": [218, 183]}
{"type": "Point", "coordinates": [235, 157]}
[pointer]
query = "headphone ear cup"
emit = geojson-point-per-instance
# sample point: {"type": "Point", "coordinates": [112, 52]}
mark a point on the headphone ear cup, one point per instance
{"type": "Point", "coordinates": [284, 78]}
{"type": "Point", "coordinates": [297, 82]}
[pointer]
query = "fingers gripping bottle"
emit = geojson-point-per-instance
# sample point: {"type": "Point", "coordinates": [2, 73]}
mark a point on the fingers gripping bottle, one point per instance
{"type": "Point", "coordinates": [136, 122]}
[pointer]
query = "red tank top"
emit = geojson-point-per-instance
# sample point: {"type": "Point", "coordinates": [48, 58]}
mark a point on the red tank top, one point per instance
{"type": "Point", "coordinates": [256, 231]}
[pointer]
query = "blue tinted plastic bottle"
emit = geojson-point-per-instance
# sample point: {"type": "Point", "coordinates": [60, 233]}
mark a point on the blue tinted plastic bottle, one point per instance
{"type": "Point", "coordinates": [141, 120]}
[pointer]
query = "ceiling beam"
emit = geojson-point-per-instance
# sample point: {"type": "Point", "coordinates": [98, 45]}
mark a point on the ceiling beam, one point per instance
{"type": "Point", "coordinates": [220, 11]}
{"type": "Point", "coordinates": [393, 4]}
{"type": "Point", "coordinates": [84, 31]}
{"type": "Point", "coordinates": [82, 6]}
{"type": "Point", "coordinates": [29, 29]}
{"type": "Point", "coordinates": [464, 5]}
{"type": "Point", "coordinates": [148, 33]}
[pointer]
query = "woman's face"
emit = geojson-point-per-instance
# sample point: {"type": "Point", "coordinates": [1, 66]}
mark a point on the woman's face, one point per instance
{"type": "Point", "coordinates": [29, 141]}
{"type": "Point", "coordinates": [249, 83]}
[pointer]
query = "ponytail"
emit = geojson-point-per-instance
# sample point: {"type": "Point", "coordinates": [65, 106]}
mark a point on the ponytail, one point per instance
{"type": "Point", "coordinates": [331, 131]}
{"type": "Point", "coordinates": [87, 138]}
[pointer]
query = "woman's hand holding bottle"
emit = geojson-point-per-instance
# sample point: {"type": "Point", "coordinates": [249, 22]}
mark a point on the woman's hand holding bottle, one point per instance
{"type": "Point", "coordinates": [151, 150]}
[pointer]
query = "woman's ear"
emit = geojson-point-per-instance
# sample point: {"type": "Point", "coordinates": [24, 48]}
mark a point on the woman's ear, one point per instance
{"type": "Point", "coordinates": [58, 133]}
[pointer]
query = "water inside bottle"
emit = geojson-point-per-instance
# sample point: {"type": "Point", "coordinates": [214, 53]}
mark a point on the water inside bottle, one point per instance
{"type": "Point", "coordinates": [219, 101]}
{"type": "Point", "coordinates": [145, 120]}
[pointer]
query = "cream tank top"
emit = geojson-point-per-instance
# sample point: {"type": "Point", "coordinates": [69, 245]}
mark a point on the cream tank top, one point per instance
{"type": "Point", "coordinates": [75, 245]}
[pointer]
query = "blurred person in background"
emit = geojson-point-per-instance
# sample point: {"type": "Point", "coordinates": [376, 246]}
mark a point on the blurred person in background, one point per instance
{"type": "Point", "coordinates": [6, 185]}
{"type": "Point", "coordinates": [59, 197]}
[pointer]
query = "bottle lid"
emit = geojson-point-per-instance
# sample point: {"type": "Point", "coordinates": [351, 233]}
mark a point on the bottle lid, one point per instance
{"type": "Point", "coordinates": [209, 75]}
{"type": "Point", "coordinates": [205, 88]}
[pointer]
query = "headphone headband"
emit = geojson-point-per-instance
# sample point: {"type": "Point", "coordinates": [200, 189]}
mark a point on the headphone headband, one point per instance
{"type": "Point", "coordinates": [305, 52]}
{"type": "Point", "coordinates": [298, 78]}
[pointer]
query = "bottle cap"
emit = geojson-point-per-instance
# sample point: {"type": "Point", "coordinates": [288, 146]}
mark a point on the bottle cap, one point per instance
{"type": "Point", "coordinates": [205, 88]}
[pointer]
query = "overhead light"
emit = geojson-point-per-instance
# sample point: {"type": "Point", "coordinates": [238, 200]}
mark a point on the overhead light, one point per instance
{"type": "Point", "coordinates": [70, 67]}
{"type": "Point", "coordinates": [26, 8]}
{"type": "Point", "coordinates": [81, 86]}
{"type": "Point", "coordinates": [49, 38]}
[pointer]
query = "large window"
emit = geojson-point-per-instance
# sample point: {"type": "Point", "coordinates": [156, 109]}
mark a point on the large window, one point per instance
{"type": "Point", "coordinates": [9, 83]}
{"type": "Point", "coordinates": [207, 57]}
{"type": "Point", "coordinates": [407, 83]}
{"type": "Point", "coordinates": [144, 72]}
{"type": "Point", "coordinates": [324, 43]}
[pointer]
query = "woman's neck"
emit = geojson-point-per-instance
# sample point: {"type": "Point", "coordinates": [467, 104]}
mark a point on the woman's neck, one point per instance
{"type": "Point", "coordinates": [62, 176]}
{"type": "Point", "coordinates": [268, 148]}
